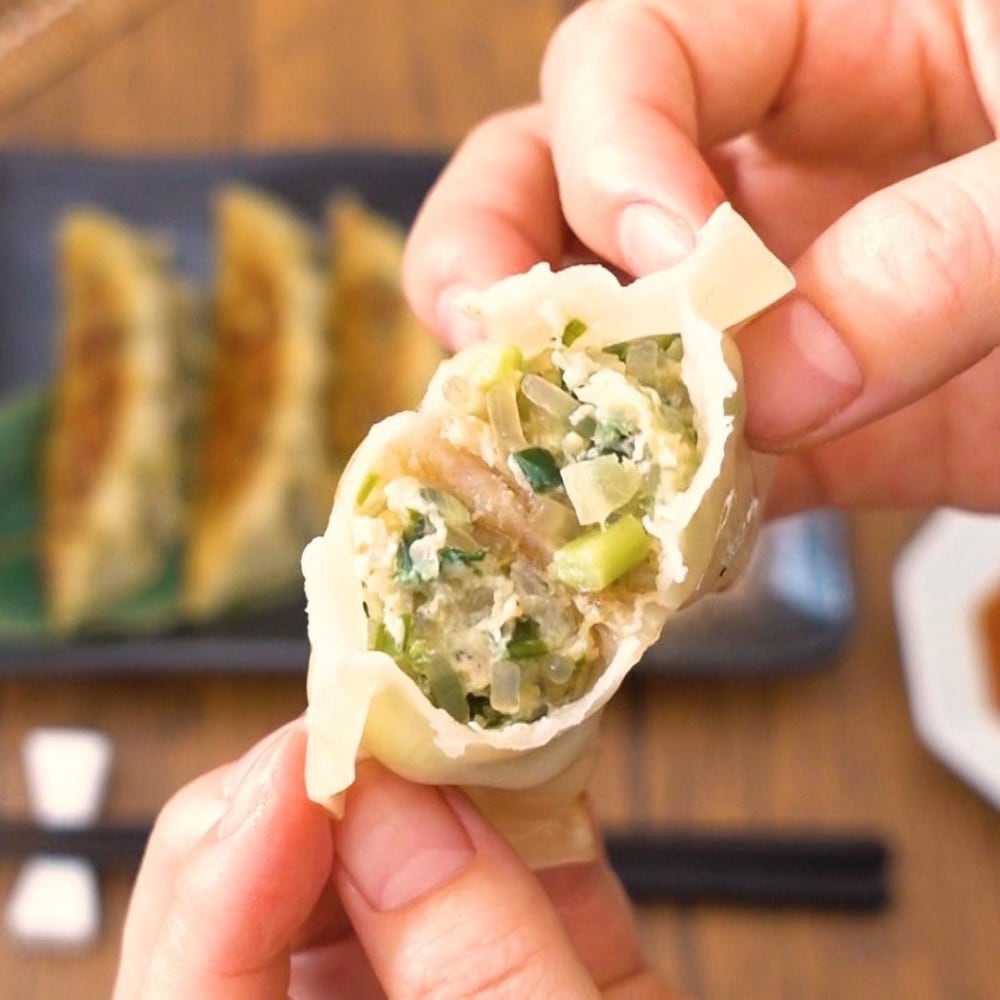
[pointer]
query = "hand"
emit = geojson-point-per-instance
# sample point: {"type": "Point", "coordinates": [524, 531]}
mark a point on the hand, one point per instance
{"type": "Point", "coordinates": [248, 890]}
{"type": "Point", "coordinates": [857, 138]}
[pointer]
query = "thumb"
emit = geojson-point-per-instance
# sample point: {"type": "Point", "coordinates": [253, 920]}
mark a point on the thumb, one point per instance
{"type": "Point", "coordinates": [899, 295]}
{"type": "Point", "coordinates": [247, 887]}
{"type": "Point", "coordinates": [441, 904]}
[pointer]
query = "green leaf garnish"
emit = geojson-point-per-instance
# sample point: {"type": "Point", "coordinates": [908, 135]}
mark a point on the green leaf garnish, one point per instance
{"type": "Point", "coordinates": [539, 468]}
{"type": "Point", "coordinates": [365, 490]}
{"type": "Point", "coordinates": [385, 641]}
{"type": "Point", "coordinates": [453, 555]}
{"type": "Point", "coordinates": [573, 331]}
{"type": "Point", "coordinates": [406, 574]}
{"type": "Point", "coordinates": [525, 642]}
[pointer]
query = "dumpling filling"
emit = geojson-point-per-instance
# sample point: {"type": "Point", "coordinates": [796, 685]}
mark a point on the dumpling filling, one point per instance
{"type": "Point", "coordinates": [488, 579]}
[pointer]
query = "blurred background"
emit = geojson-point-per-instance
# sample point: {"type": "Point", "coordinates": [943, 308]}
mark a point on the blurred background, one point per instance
{"type": "Point", "coordinates": [788, 711]}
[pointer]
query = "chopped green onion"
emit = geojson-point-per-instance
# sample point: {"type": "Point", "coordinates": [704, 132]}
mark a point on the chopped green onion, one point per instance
{"type": "Point", "coordinates": [446, 689]}
{"type": "Point", "coordinates": [525, 642]}
{"type": "Point", "coordinates": [539, 468]}
{"type": "Point", "coordinates": [406, 573]}
{"type": "Point", "coordinates": [496, 364]}
{"type": "Point", "coordinates": [611, 438]}
{"type": "Point", "coordinates": [619, 351]}
{"type": "Point", "coordinates": [365, 490]}
{"type": "Point", "coordinates": [573, 331]}
{"type": "Point", "coordinates": [452, 554]}
{"type": "Point", "coordinates": [385, 641]}
{"type": "Point", "coordinates": [598, 558]}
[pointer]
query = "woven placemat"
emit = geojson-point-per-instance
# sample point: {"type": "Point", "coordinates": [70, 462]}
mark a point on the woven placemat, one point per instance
{"type": "Point", "coordinates": [43, 40]}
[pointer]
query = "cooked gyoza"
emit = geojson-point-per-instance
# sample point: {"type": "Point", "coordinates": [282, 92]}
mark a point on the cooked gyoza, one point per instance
{"type": "Point", "coordinates": [497, 561]}
{"type": "Point", "coordinates": [113, 488]}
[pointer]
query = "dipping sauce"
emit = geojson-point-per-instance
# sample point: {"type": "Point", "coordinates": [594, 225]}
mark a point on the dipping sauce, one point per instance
{"type": "Point", "coordinates": [989, 621]}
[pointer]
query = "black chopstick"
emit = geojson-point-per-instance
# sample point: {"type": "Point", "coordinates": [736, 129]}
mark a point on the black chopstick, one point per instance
{"type": "Point", "coordinates": [109, 846]}
{"type": "Point", "coordinates": [818, 871]}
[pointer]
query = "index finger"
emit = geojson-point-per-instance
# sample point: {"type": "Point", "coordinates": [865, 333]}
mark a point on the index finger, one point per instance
{"type": "Point", "coordinates": [443, 906]}
{"type": "Point", "coordinates": [634, 91]}
{"type": "Point", "coordinates": [493, 212]}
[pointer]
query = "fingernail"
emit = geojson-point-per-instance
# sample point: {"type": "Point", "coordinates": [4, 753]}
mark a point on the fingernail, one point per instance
{"type": "Point", "coordinates": [238, 769]}
{"type": "Point", "coordinates": [459, 328]}
{"type": "Point", "coordinates": [652, 239]}
{"type": "Point", "coordinates": [799, 373]}
{"type": "Point", "coordinates": [248, 795]}
{"type": "Point", "coordinates": [399, 842]}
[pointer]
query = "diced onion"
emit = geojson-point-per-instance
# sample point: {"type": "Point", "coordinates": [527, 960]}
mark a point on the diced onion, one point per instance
{"type": "Point", "coordinates": [558, 669]}
{"type": "Point", "coordinates": [597, 487]}
{"type": "Point", "coordinates": [505, 687]}
{"type": "Point", "coordinates": [548, 397]}
{"type": "Point", "coordinates": [641, 361]}
{"type": "Point", "coordinates": [501, 405]}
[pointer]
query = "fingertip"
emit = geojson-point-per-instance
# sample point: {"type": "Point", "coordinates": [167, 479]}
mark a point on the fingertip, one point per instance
{"type": "Point", "coordinates": [399, 841]}
{"type": "Point", "coordinates": [652, 238]}
{"type": "Point", "coordinates": [440, 901]}
{"type": "Point", "coordinates": [800, 374]}
{"type": "Point", "coordinates": [457, 325]}
{"type": "Point", "coordinates": [493, 212]}
{"type": "Point", "coordinates": [252, 880]}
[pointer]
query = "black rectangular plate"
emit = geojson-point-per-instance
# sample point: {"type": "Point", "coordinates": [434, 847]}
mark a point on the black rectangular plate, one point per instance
{"type": "Point", "coordinates": [792, 612]}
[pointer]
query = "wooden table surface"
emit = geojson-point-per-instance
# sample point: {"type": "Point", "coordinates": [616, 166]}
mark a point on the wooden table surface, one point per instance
{"type": "Point", "coordinates": [833, 748]}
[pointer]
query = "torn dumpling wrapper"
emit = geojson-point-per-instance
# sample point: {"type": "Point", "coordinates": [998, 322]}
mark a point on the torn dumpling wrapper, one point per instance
{"type": "Point", "coordinates": [498, 560]}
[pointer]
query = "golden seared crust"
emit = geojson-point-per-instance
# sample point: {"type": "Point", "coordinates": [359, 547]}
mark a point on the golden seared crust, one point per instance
{"type": "Point", "coordinates": [113, 469]}
{"type": "Point", "coordinates": [261, 455]}
{"type": "Point", "coordinates": [384, 356]}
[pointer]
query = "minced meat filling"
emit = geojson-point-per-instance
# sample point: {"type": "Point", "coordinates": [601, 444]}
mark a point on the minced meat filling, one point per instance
{"type": "Point", "coordinates": [498, 626]}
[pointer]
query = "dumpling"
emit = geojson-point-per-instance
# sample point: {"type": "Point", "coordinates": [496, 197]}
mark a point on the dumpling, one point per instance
{"type": "Point", "coordinates": [261, 467]}
{"type": "Point", "coordinates": [498, 560]}
{"type": "Point", "coordinates": [113, 475]}
{"type": "Point", "coordinates": [384, 356]}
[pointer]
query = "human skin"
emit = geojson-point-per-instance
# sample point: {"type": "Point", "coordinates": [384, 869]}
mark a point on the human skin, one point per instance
{"type": "Point", "coordinates": [249, 890]}
{"type": "Point", "coordinates": [859, 139]}
{"type": "Point", "coordinates": [856, 137]}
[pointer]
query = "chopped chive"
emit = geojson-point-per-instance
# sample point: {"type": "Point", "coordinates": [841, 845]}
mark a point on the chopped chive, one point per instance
{"type": "Point", "coordinates": [497, 365]}
{"type": "Point", "coordinates": [446, 689]}
{"type": "Point", "coordinates": [598, 558]}
{"type": "Point", "coordinates": [415, 528]}
{"type": "Point", "coordinates": [385, 641]}
{"type": "Point", "coordinates": [619, 351]}
{"type": "Point", "coordinates": [539, 468]}
{"type": "Point", "coordinates": [525, 642]}
{"type": "Point", "coordinates": [365, 490]}
{"type": "Point", "coordinates": [573, 331]}
{"type": "Point", "coordinates": [454, 555]}
{"type": "Point", "coordinates": [406, 573]}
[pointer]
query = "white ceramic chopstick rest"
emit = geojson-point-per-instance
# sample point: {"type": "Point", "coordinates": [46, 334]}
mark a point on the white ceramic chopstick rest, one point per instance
{"type": "Point", "coordinates": [55, 901]}
{"type": "Point", "coordinates": [67, 774]}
